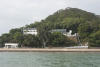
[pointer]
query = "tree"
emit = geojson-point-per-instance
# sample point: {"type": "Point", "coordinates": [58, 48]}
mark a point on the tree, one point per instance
{"type": "Point", "coordinates": [5, 38]}
{"type": "Point", "coordinates": [18, 38]}
{"type": "Point", "coordinates": [85, 30]}
{"type": "Point", "coordinates": [95, 39]}
{"type": "Point", "coordinates": [43, 30]}
{"type": "Point", "coordinates": [59, 40]}
{"type": "Point", "coordinates": [31, 41]}
{"type": "Point", "coordinates": [13, 31]}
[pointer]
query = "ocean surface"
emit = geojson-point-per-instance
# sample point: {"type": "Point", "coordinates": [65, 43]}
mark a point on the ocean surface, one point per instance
{"type": "Point", "coordinates": [49, 59]}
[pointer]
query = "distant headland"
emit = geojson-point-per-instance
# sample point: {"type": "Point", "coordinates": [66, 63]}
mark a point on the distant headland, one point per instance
{"type": "Point", "coordinates": [65, 28]}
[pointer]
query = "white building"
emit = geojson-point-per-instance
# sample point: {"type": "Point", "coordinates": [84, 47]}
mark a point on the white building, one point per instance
{"type": "Point", "coordinates": [11, 45]}
{"type": "Point", "coordinates": [64, 32]}
{"type": "Point", "coordinates": [32, 31]}
{"type": "Point", "coordinates": [69, 34]}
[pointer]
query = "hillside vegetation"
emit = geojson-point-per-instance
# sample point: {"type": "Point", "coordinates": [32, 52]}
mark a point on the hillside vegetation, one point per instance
{"type": "Point", "coordinates": [85, 23]}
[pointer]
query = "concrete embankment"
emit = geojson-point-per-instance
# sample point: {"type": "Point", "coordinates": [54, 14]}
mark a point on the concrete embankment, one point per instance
{"type": "Point", "coordinates": [47, 50]}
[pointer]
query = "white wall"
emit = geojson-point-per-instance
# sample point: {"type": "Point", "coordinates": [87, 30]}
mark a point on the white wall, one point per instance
{"type": "Point", "coordinates": [30, 31]}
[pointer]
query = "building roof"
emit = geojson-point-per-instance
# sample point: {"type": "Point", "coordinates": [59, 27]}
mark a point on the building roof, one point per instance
{"type": "Point", "coordinates": [58, 30]}
{"type": "Point", "coordinates": [12, 44]}
{"type": "Point", "coordinates": [29, 29]}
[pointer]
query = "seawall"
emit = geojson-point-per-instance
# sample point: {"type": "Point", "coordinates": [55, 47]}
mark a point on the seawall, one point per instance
{"type": "Point", "coordinates": [47, 50]}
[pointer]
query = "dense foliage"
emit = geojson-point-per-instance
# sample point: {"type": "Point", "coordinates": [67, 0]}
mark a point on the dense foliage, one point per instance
{"type": "Point", "coordinates": [85, 23]}
{"type": "Point", "coordinates": [59, 40]}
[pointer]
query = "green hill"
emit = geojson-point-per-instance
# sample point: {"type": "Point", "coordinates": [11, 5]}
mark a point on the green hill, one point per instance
{"type": "Point", "coordinates": [85, 23]}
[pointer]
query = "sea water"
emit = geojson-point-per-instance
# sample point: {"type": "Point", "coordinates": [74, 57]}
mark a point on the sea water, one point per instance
{"type": "Point", "coordinates": [49, 59]}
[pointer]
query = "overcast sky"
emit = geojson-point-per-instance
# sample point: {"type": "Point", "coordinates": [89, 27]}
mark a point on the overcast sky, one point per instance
{"type": "Point", "coordinates": [17, 13]}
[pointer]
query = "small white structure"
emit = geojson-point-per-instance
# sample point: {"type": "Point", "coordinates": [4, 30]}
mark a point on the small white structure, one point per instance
{"type": "Point", "coordinates": [32, 31]}
{"type": "Point", "coordinates": [69, 34]}
{"type": "Point", "coordinates": [78, 47]}
{"type": "Point", "coordinates": [64, 32]}
{"type": "Point", "coordinates": [11, 45]}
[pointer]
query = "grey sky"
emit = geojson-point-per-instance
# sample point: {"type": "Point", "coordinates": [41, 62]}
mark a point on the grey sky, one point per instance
{"type": "Point", "coordinates": [17, 13]}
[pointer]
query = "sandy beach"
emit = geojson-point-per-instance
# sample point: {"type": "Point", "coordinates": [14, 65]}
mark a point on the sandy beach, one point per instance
{"type": "Point", "coordinates": [47, 50]}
